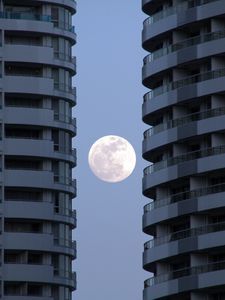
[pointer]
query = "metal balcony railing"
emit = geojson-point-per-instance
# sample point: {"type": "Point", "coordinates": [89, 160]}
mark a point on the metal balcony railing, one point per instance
{"type": "Point", "coordinates": [64, 88]}
{"type": "Point", "coordinates": [215, 112]}
{"type": "Point", "coordinates": [185, 272]}
{"type": "Point", "coordinates": [24, 16]}
{"type": "Point", "coordinates": [174, 198]}
{"type": "Point", "coordinates": [63, 25]}
{"type": "Point", "coordinates": [183, 234]}
{"type": "Point", "coordinates": [62, 179]}
{"type": "Point", "coordinates": [64, 118]}
{"type": "Point", "coordinates": [184, 82]}
{"type": "Point", "coordinates": [184, 157]}
{"type": "Point", "coordinates": [63, 56]}
{"type": "Point", "coordinates": [183, 5]}
{"type": "Point", "coordinates": [200, 39]}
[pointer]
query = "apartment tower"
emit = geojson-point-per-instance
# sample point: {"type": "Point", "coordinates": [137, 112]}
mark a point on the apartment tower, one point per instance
{"type": "Point", "coordinates": [185, 147]}
{"type": "Point", "coordinates": [36, 191]}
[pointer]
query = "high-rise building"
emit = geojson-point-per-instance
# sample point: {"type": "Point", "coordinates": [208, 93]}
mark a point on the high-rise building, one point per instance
{"type": "Point", "coordinates": [36, 191]}
{"type": "Point", "coordinates": [185, 145]}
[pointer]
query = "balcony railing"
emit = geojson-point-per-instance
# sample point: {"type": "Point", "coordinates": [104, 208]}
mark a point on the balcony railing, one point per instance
{"type": "Point", "coordinates": [62, 180]}
{"type": "Point", "coordinates": [185, 272]}
{"type": "Point", "coordinates": [63, 56]}
{"type": "Point", "coordinates": [174, 198]}
{"type": "Point", "coordinates": [64, 88]}
{"type": "Point", "coordinates": [64, 118]}
{"type": "Point", "coordinates": [183, 5]}
{"type": "Point", "coordinates": [183, 234]}
{"type": "Point", "coordinates": [64, 25]}
{"type": "Point", "coordinates": [67, 212]}
{"type": "Point", "coordinates": [184, 82]}
{"type": "Point", "coordinates": [24, 16]}
{"type": "Point", "coordinates": [63, 242]}
{"type": "Point", "coordinates": [33, 73]}
{"type": "Point", "coordinates": [184, 157]}
{"type": "Point", "coordinates": [185, 120]}
{"type": "Point", "coordinates": [63, 273]}
{"type": "Point", "coordinates": [200, 39]}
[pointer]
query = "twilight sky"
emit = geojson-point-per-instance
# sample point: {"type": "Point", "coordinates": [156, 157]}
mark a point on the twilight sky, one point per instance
{"type": "Point", "coordinates": [109, 234]}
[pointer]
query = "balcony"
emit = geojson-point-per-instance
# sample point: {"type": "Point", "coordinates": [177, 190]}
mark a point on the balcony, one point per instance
{"type": "Point", "coordinates": [184, 82]}
{"type": "Point", "coordinates": [64, 26]}
{"type": "Point", "coordinates": [66, 215]}
{"type": "Point", "coordinates": [183, 234]}
{"type": "Point", "coordinates": [184, 157]}
{"type": "Point", "coordinates": [183, 5]}
{"type": "Point", "coordinates": [197, 40]}
{"type": "Point", "coordinates": [41, 241]}
{"type": "Point", "coordinates": [64, 88]}
{"type": "Point", "coordinates": [217, 188]}
{"type": "Point", "coordinates": [65, 57]}
{"type": "Point", "coordinates": [215, 112]}
{"type": "Point", "coordinates": [67, 120]}
{"type": "Point", "coordinates": [65, 277]}
{"type": "Point", "coordinates": [25, 16]}
{"type": "Point", "coordinates": [184, 273]}
{"type": "Point", "coordinates": [66, 246]}
{"type": "Point", "coordinates": [28, 272]}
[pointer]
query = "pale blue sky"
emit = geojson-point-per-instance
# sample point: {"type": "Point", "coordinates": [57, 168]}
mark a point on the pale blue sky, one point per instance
{"type": "Point", "coordinates": [109, 234]}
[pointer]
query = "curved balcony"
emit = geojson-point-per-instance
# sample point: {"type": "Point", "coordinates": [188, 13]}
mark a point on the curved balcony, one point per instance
{"type": "Point", "coordinates": [184, 82]}
{"type": "Point", "coordinates": [39, 241]}
{"type": "Point", "coordinates": [63, 277]}
{"type": "Point", "coordinates": [62, 154]}
{"type": "Point", "coordinates": [38, 53]}
{"type": "Point", "coordinates": [62, 90]}
{"type": "Point", "coordinates": [70, 4]}
{"type": "Point", "coordinates": [41, 179]}
{"type": "Point", "coordinates": [184, 157]}
{"type": "Point", "coordinates": [64, 29]}
{"type": "Point", "coordinates": [193, 271]}
{"type": "Point", "coordinates": [65, 246]}
{"type": "Point", "coordinates": [197, 40]}
{"type": "Point", "coordinates": [197, 277]}
{"type": "Point", "coordinates": [194, 240]}
{"type": "Point", "coordinates": [43, 117]}
{"type": "Point", "coordinates": [25, 16]}
{"type": "Point", "coordinates": [18, 146]}
{"type": "Point", "coordinates": [38, 210]}
{"type": "Point", "coordinates": [37, 17]}
{"type": "Point", "coordinates": [177, 16]}
{"type": "Point", "coordinates": [68, 122]}
{"type": "Point", "coordinates": [153, 143]}
{"type": "Point", "coordinates": [215, 112]}
{"type": "Point", "coordinates": [38, 85]}
{"type": "Point", "coordinates": [183, 234]}
{"type": "Point", "coordinates": [39, 273]}
{"type": "Point", "coordinates": [200, 167]}
{"type": "Point", "coordinates": [42, 241]}
{"type": "Point", "coordinates": [175, 198]}
{"type": "Point", "coordinates": [29, 84]}
{"type": "Point", "coordinates": [66, 216]}
{"type": "Point", "coordinates": [65, 60]}
{"type": "Point", "coordinates": [153, 70]}
{"type": "Point", "coordinates": [29, 273]}
{"type": "Point", "coordinates": [183, 5]}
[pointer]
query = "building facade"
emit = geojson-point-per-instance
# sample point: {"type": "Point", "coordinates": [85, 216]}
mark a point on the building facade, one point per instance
{"type": "Point", "coordinates": [185, 147]}
{"type": "Point", "coordinates": [36, 190]}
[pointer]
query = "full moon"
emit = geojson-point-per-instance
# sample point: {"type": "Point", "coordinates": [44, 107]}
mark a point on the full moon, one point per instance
{"type": "Point", "coordinates": [112, 158]}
